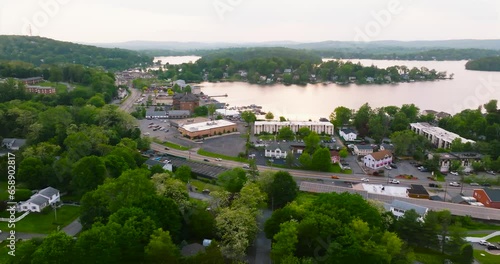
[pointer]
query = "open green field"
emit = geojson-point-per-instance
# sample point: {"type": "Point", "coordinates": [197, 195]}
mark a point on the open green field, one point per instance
{"type": "Point", "coordinates": [44, 223]}
{"type": "Point", "coordinates": [487, 258]}
{"type": "Point", "coordinates": [174, 146]}
{"type": "Point", "coordinates": [494, 240]}
{"type": "Point", "coordinates": [428, 256]}
{"type": "Point", "coordinates": [200, 185]}
{"type": "Point", "coordinates": [60, 88]}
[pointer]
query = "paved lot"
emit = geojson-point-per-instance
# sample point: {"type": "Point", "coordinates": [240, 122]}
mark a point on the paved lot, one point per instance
{"type": "Point", "coordinates": [229, 145]}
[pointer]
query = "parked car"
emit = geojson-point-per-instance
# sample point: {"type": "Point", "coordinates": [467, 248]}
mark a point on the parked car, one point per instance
{"type": "Point", "coordinates": [474, 184]}
{"type": "Point", "coordinates": [393, 166]}
{"type": "Point", "coordinates": [483, 242]}
{"type": "Point", "coordinates": [167, 148]}
{"type": "Point", "coordinates": [387, 167]}
{"type": "Point", "coordinates": [455, 184]}
{"type": "Point", "coordinates": [365, 179]}
{"type": "Point", "coordinates": [454, 173]}
{"type": "Point", "coordinates": [486, 184]}
{"type": "Point", "coordinates": [246, 166]}
{"type": "Point", "coordinates": [393, 181]}
{"type": "Point", "coordinates": [493, 247]}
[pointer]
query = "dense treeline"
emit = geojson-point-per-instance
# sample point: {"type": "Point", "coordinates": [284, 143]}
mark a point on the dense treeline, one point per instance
{"type": "Point", "coordinates": [88, 82]}
{"type": "Point", "coordinates": [271, 65]}
{"type": "Point", "coordinates": [484, 64]}
{"type": "Point", "coordinates": [38, 50]}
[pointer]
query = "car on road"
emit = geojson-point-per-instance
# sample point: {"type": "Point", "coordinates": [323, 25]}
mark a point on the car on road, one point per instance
{"type": "Point", "coordinates": [246, 166]}
{"type": "Point", "coordinates": [335, 177]}
{"type": "Point", "coordinates": [393, 181]}
{"type": "Point", "coordinates": [486, 184]}
{"type": "Point", "coordinates": [434, 185]}
{"type": "Point", "coordinates": [365, 179]}
{"type": "Point", "coordinates": [474, 184]}
{"type": "Point", "coordinates": [485, 243]}
{"type": "Point", "coordinates": [206, 160]}
{"type": "Point", "coordinates": [218, 159]}
{"type": "Point", "coordinates": [454, 173]}
{"type": "Point", "coordinates": [167, 148]}
{"type": "Point", "coordinates": [455, 184]}
{"type": "Point", "coordinates": [490, 172]}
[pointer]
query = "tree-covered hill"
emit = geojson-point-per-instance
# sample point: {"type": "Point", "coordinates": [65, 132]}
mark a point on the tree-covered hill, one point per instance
{"type": "Point", "coordinates": [246, 54]}
{"type": "Point", "coordinates": [38, 50]}
{"type": "Point", "coordinates": [484, 64]}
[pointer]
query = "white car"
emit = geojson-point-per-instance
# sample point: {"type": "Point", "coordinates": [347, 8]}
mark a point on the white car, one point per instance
{"type": "Point", "coordinates": [388, 167]}
{"type": "Point", "coordinates": [218, 159]}
{"type": "Point", "coordinates": [485, 243]}
{"type": "Point", "coordinates": [454, 173]}
{"type": "Point", "coordinates": [246, 166]}
{"type": "Point", "coordinates": [455, 184]}
{"type": "Point", "coordinates": [365, 179]}
{"type": "Point", "coordinates": [393, 181]}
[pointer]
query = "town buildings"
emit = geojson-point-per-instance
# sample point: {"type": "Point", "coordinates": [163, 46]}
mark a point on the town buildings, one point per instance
{"type": "Point", "coordinates": [362, 150]}
{"type": "Point", "coordinates": [40, 90]}
{"type": "Point", "coordinates": [274, 150]}
{"type": "Point", "coordinates": [439, 137]}
{"type": "Point", "coordinates": [348, 134]}
{"type": "Point", "coordinates": [273, 127]}
{"type": "Point", "coordinates": [378, 159]}
{"type": "Point", "coordinates": [466, 160]}
{"type": "Point", "coordinates": [488, 197]}
{"type": "Point", "coordinates": [185, 101]}
{"type": "Point", "coordinates": [398, 208]}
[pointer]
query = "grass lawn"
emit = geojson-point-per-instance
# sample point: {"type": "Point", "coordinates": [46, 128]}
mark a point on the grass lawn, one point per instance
{"type": "Point", "coordinates": [4, 250]}
{"type": "Point", "coordinates": [267, 137]}
{"type": "Point", "coordinates": [216, 155]}
{"type": "Point", "coordinates": [43, 223]}
{"type": "Point", "coordinates": [203, 185]}
{"type": "Point", "coordinates": [4, 195]}
{"type": "Point", "coordinates": [170, 144]}
{"type": "Point", "coordinates": [487, 258]}
{"type": "Point", "coordinates": [428, 256]}
{"type": "Point", "coordinates": [440, 178]}
{"type": "Point", "coordinates": [481, 226]}
{"type": "Point", "coordinates": [477, 235]}
{"type": "Point", "coordinates": [60, 88]}
{"type": "Point", "coordinates": [495, 239]}
{"type": "Point", "coordinates": [335, 168]}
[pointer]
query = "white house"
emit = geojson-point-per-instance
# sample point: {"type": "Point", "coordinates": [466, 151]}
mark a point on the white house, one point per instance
{"type": "Point", "coordinates": [398, 209]}
{"type": "Point", "coordinates": [39, 201]}
{"type": "Point", "coordinates": [378, 159]}
{"type": "Point", "coordinates": [348, 134]}
{"type": "Point", "coordinates": [363, 150]}
{"type": "Point", "coordinates": [275, 151]}
{"type": "Point", "coordinates": [13, 143]}
{"type": "Point", "coordinates": [439, 137]}
{"type": "Point", "coordinates": [164, 164]}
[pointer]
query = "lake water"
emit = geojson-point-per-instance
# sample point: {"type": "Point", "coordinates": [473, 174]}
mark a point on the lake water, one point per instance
{"type": "Point", "coordinates": [468, 89]}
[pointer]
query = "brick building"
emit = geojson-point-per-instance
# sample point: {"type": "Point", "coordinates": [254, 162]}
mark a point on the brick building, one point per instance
{"type": "Point", "coordinates": [41, 90]}
{"type": "Point", "coordinates": [185, 101]}
{"type": "Point", "coordinates": [488, 197]}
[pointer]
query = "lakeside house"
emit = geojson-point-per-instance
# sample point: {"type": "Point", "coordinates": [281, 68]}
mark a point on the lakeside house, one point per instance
{"type": "Point", "coordinates": [40, 200]}
{"type": "Point", "coordinates": [439, 137]}
{"type": "Point", "coordinates": [275, 150]}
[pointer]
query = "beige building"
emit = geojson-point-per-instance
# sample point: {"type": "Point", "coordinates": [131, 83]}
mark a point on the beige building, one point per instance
{"type": "Point", "coordinates": [273, 127]}
{"type": "Point", "coordinates": [207, 129]}
{"type": "Point", "coordinates": [439, 137]}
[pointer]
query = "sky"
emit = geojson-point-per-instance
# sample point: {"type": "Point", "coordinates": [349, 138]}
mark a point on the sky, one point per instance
{"type": "Point", "coordinates": [108, 21]}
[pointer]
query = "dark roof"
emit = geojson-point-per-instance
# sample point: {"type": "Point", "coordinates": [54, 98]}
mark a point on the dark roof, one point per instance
{"type": "Point", "coordinates": [348, 130]}
{"type": "Point", "coordinates": [38, 200]}
{"type": "Point", "coordinates": [388, 146]}
{"type": "Point", "coordinates": [494, 194]}
{"type": "Point", "coordinates": [364, 147]}
{"type": "Point", "coordinates": [178, 112]}
{"type": "Point", "coordinates": [186, 97]}
{"type": "Point", "coordinates": [192, 249]}
{"type": "Point", "coordinates": [274, 146]}
{"type": "Point", "coordinates": [436, 198]}
{"type": "Point", "coordinates": [31, 79]}
{"type": "Point", "coordinates": [467, 155]}
{"type": "Point", "coordinates": [418, 189]}
{"type": "Point", "coordinates": [16, 142]}
{"type": "Point", "coordinates": [152, 162]}
{"type": "Point", "coordinates": [409, 206]}
{"type": "Point", "coordinates": [48, 192]}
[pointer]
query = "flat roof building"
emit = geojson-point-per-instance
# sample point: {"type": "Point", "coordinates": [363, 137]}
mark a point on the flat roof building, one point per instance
{"type": "Point", "coordinates": [206, 129]}
{"type": "Point", "coordinates": [274, 126]}
{"type": "Point", "coordinates": [437, 136]}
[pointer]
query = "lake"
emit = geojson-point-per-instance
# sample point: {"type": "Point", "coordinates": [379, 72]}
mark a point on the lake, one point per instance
{"type": "Point", "coordinates": [468, 89]}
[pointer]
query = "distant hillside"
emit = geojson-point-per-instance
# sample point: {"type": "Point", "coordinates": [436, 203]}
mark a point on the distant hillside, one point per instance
{"type": "Point", "coordinates": [38, 50]}
{"type": "Point", "coordinates": [246, 54]}
{"type": "Point", "coordinates": [484, 64]}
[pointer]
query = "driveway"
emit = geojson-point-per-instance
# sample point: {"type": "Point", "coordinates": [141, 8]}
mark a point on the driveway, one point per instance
{"type": "Point", "coordinates": [262, 246]}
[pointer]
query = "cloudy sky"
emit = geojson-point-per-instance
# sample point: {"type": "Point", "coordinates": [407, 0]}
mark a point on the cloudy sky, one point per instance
{"type": "Point", "coordinates": [100, 21]}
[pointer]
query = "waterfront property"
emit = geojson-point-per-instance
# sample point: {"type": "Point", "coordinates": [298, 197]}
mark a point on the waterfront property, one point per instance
{"type": "Point", "coordinates": [348, 134]}
{"type": "Point", "coordinates": [185, 101]}
{"type": "Point", "coordinates": [274, 150]}
{"type": "Point", "coordinates": [39, 201]}
{"type": "Point", "coordinates": [398, 209]}
{"type": "Point", "coordinates": [488, 197]}
{"type": "Point", "coordinates": [363, 150]}
{"type": "Point", "coordinates": [40, 90]}
{"type": "Point", "coordinates": [207, 129]}
{"type": "Point", "coordinates": [273, 127]}
{"type": "Point", "coordinates": [378, 159]}
{"type": "Point", "coordinates": [439, 137]}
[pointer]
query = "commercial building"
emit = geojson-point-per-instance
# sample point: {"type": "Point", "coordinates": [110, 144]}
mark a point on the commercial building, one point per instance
{"type": "Point", "coordinates": [488, 197]}
{"type": "Point", "coordinates": [31, 80]}
{"type": "Point", "coordinates": [207, 129]}
{"type": "Point", "coordinates": [378, 159]}
{"type": "Point", "coordinates": [178, 114]}
{"type": "Point", "coordinates": [185, 101]}
{"type": "Point", "coordinates": [41, 90]}
{"type": "Point", "coordinates": [439, 137]}
{"type": "Point", "coordinates": [418, 191]}
{"type": "Point", "coordinates": [273, 127]}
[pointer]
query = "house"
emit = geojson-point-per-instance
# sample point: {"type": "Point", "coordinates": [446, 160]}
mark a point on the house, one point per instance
{"type": "Point", "coordinates": [362, 150]}
{"type": "Point", "coordinates": [442, 115]}
{"type": "Point", "coordinates": [243, 74]}
{"type": "Point", "coordinates": [459, 199]}
{"type": "Point", "coordinates": [275, 151]}
{"type": "Point", "coordinates": [39, 201]}
{"type": "Point", "coordinates": [13, 143]}
{"type": "Point", "coordinates": [31, 80]}
{"type": "Point", "coordinates": [185, 101]}
{"type": "Point", "coordinates": [398, 208]}
{"type": "Point", "coordinates": [370, 79]}
{"type": "Point", "coordinates": [429, 112]}
{"type": "Point", "coordinates": [418, 191]}
{"type": "Point", "coordinates": [180, 83]}
{"type": "Point", "coordinates": [389, 147]}
{"type": "Point", "coordinates": [287, 71]}
{"type": "Point", "coordinates": [466, 160]}
{"type": "Point", "coordinates": [298, 148]}
{"type": "Point", "coordinates": [348, 134]}
{"type": "Point", "coordinates": [488, 197]}
{"type": "Point", "coordinates": [378, 159]}
{"type": "Point", "coordinates": [165, 164]}
{"type": "Point", "coordinates": [178, 114]}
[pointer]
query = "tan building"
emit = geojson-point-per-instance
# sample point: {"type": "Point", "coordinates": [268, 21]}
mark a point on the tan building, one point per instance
{"type": "Point", "coordinates": [41, 90]}
{"type": "Point", "coordinates": [207, 129]}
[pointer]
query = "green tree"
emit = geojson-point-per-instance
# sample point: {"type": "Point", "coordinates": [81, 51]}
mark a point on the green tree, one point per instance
{"type": "Point", "coordinates": [233, 180]}
{"type": "Point", "coordinates": [99, 244]}
{"type": "Point", "coordinates": [211, 109]}
{"type": "Point", "coordinates": [290, 159]}
{"type": "Point", "coordinates": [282, 119]}
{"type": "Point", "coordinates": [201, 111]}
{"type": "Point", "coordinates": [321, 160]}
{"type": "Point", "coordinates": [269, 116]}
{"type": "Point", "coordinates": [200, 223]}
{"type": "Point", "coordinates": [343, 153]}
{"type": "Point", "coordinates": [285, 133]}
{"type": "Point", "coordinates": [172, 188]}
{"type": "Point", "coordinates": [311, 142]}
{"type": "Point", "coordinates": [97, 100]}
{"type": "Point", "coordinates": [361, 119]}
{"type": "Point", "coordinates": [408, 227]}
{"type": "Point", "coordinates": [56, 248]}
{"type": "Point", "coordinates": [161, 249]}
{"type": "Point", "coordinates": [305, 160]}
{"type": "Point", "coordinates": [88, 173]}
{"type": "Point", "coordinates": [183, 173]}
{"type": "Point", "coordinates": [237, 228]}
{"type": "Point", "coordinates": [283, 189]}
{"type": "Point", "coordinates": [31, 171]}
{"type": "Point", "coordinates": [285, 242]}
{"type": "Point", "coordinates": [341, 116]}
{"type": "Point", "coordinates": [253, 171]}
{"type": "Point", "coordinates": [466, 254]}
{"type": "Point", "coordinates": [303, 132]}
{"type": "Point", "coordinates": [248, 117]}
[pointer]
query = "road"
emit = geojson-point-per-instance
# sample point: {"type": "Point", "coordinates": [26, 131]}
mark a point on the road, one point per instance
{"type": "Point", "coordinates": [128, 104]}
{"type": "Point", "coordinates": [262, 244]}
